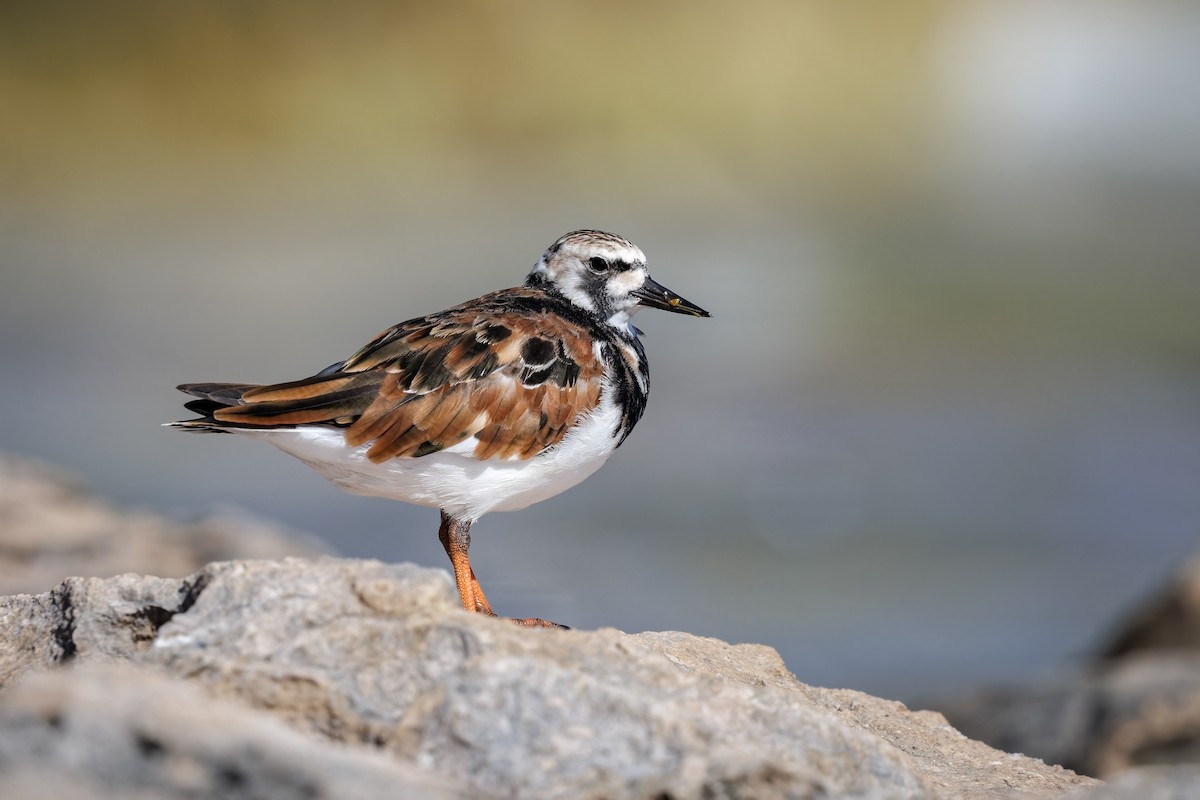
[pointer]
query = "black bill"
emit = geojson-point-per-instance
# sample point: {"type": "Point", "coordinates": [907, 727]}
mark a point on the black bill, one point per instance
{"type": "Point", "coordinates": [654, 295]}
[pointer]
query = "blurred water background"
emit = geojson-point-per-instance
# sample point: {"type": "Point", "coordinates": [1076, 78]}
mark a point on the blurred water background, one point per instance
{"type": "Point", "coordinates": [943, 427]}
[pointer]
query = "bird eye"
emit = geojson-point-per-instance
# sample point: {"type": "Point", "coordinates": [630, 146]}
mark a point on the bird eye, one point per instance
{"type": "Point", "coordinates": [598, 264]}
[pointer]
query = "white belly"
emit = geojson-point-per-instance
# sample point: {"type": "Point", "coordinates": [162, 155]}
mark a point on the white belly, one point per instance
{"type": "Point", "coordinates": [452, 479]}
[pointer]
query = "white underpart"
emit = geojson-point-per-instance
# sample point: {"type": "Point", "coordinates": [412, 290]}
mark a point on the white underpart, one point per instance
{"type": "Point", "coordinates": [452, 479]}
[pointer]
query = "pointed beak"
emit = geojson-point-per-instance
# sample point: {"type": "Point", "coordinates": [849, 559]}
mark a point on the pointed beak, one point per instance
{"type": "Point", "coordinates": [653, 294]}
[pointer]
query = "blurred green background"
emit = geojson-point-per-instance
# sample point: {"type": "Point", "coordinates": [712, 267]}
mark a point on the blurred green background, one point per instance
{"type": "Point", "coordinates": [943, 427]}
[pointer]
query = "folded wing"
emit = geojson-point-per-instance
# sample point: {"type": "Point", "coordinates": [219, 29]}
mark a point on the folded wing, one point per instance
{"type": "Point", "coordinates": [503, 385]}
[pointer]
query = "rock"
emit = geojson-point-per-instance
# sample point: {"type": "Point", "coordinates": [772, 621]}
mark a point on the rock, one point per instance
{"type": "Point", "coordinates": [1138, 711]}
{"type": "Point", "coordinates": [380, 659]}
{"type": "Point", "coordinates": [952, 763]}
{"type": "Point", "coordinates": [1170, 621]}
{"type": "Point", "coordinates": [1148, 783]}
{"type": "Point", "coordinates": [121, 731]}
{"type": "Point", "coordinates": [50, 529]}
{"type": "Point", "coordinates": [1137, 704]}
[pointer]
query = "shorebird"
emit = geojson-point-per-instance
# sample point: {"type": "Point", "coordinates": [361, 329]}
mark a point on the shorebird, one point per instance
{"type": "Point", "coordinates": [491, 405]}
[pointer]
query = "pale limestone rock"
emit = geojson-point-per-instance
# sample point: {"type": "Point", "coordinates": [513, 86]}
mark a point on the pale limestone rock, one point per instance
{"type": "Point", "coordinates": [380, 658]}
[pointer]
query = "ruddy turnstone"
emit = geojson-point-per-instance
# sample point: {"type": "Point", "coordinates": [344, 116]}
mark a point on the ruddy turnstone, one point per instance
{"type": "Point", "coordinates": [491, 405]}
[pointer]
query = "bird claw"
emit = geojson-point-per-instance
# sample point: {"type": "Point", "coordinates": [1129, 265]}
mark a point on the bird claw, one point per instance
{"type": "Point", "coordinates": [535, 622]}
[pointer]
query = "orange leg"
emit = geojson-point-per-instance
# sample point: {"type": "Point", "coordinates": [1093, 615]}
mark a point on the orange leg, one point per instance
{"type": "Point", "coordinates": [455, 536]}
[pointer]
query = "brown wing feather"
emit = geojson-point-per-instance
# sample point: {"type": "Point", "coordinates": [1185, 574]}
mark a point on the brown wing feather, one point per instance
{"type": "Point", "coordinates": [323, 399]}
{"type": "Point", "coordinates": [514, 381]}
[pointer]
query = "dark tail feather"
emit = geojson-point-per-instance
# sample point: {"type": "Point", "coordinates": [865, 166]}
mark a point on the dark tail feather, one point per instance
{"type": "Point", "coordinates": [223, 394]}
{"type": "Point", "coordinates": [212, 397]}
{"type": "Point", "coordinates": [334, 399]}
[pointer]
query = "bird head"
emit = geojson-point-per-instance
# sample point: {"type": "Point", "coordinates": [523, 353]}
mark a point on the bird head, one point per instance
{"type": "Point", "coordinates": [605, 275]}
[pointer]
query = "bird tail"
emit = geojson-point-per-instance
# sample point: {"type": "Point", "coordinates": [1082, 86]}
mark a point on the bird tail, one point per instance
{"type": "Point", "coordinates": [210, 398]}
{"type": "Point", "coordinates": [335, 399]}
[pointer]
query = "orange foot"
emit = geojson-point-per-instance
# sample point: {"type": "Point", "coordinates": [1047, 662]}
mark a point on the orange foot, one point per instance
{"type": "Point", "coordinates": [455, 535]}
{"type": "Point", "coordinates": [535, 622]}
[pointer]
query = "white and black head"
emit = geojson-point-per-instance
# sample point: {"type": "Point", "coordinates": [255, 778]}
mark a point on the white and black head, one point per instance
{"type": "Point", "coordinates": [605, 275]}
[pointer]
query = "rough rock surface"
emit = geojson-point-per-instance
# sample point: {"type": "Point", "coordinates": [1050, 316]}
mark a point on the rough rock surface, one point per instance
{"type": "Point", "coordinates": [119, 731]}
{"type": "Point", "coordinates": [51, 529]}
{"type": "Point", "coordinates": [1133, 712]}
{"type": "Point", "coordinates": [380, 658]}
{"type": "Point", "coordinates": [1138, 704]}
